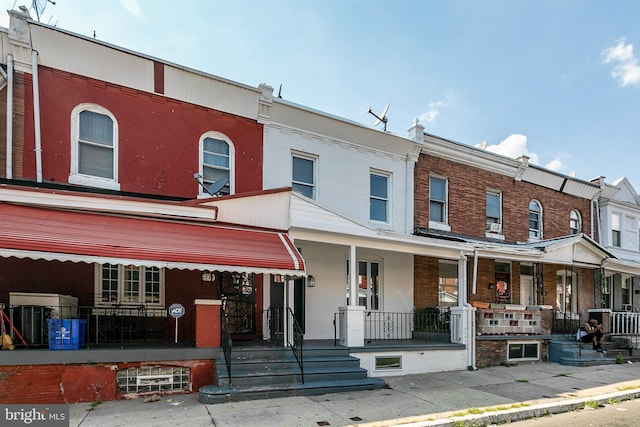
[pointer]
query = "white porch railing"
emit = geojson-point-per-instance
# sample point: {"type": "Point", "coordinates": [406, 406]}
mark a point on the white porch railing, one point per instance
{"type": "Point", "coordinates": [625, 323]}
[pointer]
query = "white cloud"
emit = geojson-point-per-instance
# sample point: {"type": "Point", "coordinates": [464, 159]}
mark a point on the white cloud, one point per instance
{"type": "Point", "coordinates": [555, 165]}
{"type": "Point", "coordinates": [627, 70]}
{"type": "Point", "coordinates": [431, 115]}
{"type": "Point", "coordinates": [513, 146]}
{"type": "Point", "coordinates": [132, 7]}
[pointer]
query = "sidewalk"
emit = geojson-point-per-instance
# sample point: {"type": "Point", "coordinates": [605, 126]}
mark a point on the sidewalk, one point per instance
{"type": "Point", "coordinates": [442, 398]}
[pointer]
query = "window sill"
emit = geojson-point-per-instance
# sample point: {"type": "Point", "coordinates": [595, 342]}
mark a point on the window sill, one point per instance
{"type": "Point", "coordinates": [494, 236]}
{"type": "Point", "coordinates": [439, 226]}
{"type": "Point", "coordinates": [92, 181]}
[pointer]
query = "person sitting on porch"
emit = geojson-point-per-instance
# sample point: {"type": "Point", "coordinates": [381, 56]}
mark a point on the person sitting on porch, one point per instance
{"type": "Point", "coordinates": [594, 333]}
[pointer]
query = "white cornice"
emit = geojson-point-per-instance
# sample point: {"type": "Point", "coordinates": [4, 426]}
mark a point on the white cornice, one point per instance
{"type": "Point", "coordinates": [112, 205]}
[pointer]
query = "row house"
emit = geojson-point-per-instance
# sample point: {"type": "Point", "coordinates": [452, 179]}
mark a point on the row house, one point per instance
{"type": "Point", "coordinates": [107, 156]}
{"type": "Point", "coordinates": [618, 289]}
{"type": "Point", "coordinates": [536, 257]}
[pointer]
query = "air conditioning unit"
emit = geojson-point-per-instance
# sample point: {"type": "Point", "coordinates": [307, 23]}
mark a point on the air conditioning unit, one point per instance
{"type": "Point", "coordinates": [494, 227]}
{"type": "Point", "coordinates": [627, 307]}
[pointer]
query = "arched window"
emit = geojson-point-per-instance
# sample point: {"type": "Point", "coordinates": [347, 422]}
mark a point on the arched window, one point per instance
{"type": "Point", "coordinates": [535, 220]}
{"type": "Point", "coordinates": [575, 222]}
{"type": "Point", "coordinates": [216, 162]}
{"type": "Point", "coordinates": [94, 147]}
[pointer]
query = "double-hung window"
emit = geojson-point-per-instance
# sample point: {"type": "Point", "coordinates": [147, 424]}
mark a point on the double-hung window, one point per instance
{"type": "Point", "coordinates": [303, 179]}
{"type": "Point", "coordinates": [535, 220]}
{"type": "Point", "coordinates": [379, 197]}
{"type": "Point", "coordinates": [129, 285]}
{"type": "Point", "coordinates": [94, 147]}
{"type": "Point", "coordinates": [216, 160]}
{"type": "Point", "coordinates": [616, 237]}
{"type": "Point", "coordinates": [494, 212]}
{"type": "Point", "coordinates": [438, 200]}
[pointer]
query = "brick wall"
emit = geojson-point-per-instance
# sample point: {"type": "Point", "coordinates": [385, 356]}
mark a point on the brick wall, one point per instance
{"type": "Point", "coordinates": [467, 201]}
{"type": "Point", "coordinates": [425, 282]}
{"type": "Point", "coordinates": [494, 352]}
{"type": "Point", "coordinates": [53, 384]}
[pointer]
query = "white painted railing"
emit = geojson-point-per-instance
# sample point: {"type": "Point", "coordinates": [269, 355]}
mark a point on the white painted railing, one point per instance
{"type": "Point", "coordinates": [625, 323]}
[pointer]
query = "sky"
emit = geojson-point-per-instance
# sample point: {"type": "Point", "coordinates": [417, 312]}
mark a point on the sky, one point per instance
{"type": "Point", "coordinates": [556, 80]}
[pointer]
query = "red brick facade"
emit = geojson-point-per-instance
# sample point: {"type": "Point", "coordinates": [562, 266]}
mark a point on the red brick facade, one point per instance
{"type": "Point", "coordinates": [53, 384]}
{"type": "Point", "coordinates": [467, 187]}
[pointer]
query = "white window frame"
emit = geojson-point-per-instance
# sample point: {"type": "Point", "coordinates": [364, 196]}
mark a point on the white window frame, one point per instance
{"type": "Point", "coordinates": [232, 157]}
{"type": "Point", "coordinates": [616, 230]}
{"type": "Point", "coordinates": [381, 368]}
{"type": "Point", "coordinates": [492, 233]}
{"type": "Point", "coordinates": [443, 286]}
{"type": "Point", "coordinates": [386, 200]}
{"type": "Point", "coordinates": [444, 224]}
{"type": "Point", "coordinates": [575, 222]}
{"type": "Point", "coordinates": [523, 343]}
{"type": "Point", "coordinates": [369, 285]}
{"type": "Point", "coordinates": [75, 177]}
{"type": "Point", "coordinates": [313, 185]}
{"type": "Point", "coordinates": [535, 234]}
{"type": "Point", "coordinates": [561, 291]}
{"type": "Point", "coordinates": [120, 288]}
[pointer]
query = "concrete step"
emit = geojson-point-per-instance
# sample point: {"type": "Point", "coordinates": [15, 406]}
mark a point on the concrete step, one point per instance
{"type": "Point", "coordinates": [292, 375]}
{"type": "Point", "coordinates": [264, 372]}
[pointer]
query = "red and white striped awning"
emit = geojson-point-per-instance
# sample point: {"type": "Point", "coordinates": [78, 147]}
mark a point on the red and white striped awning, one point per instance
{"type": "Point", "coordinates": [75, 236]}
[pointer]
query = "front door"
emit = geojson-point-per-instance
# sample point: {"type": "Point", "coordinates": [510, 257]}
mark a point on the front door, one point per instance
{"type": "Point", "coordinates": [277, 313]}
{"type": "Point", "coordinates": [527, 293]}
{"type": "Point", "coordinates": [239, 294]}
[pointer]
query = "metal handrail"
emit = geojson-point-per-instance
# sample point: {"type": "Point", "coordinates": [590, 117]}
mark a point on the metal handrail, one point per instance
{"type": "Point", "coordinates": [298, 339]}
{"type": "Point", "coordinates": [226, 343]}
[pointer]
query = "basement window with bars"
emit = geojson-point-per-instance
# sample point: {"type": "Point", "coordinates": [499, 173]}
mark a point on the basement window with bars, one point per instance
{"type": "Point", "coordinates": [151, 379]}
{"type": "Point", "coordinates": [523, 350]}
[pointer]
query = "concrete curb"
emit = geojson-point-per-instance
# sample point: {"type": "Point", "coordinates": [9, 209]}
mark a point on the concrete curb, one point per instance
{"type": "Point", "coordinates": [494, 415]}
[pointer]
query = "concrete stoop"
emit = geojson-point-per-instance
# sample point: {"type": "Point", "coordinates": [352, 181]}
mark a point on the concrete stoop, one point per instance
{"type": "Point", "coordinates": [572, 353]}
{"type": "Point", "coordinates": [264, 373]}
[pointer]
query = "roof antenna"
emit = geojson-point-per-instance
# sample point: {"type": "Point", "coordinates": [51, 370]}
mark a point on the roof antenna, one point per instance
{"type": "Point", "coordinates": [40, 5]}
{"type": "Point", "coordinates": [280, 91]}
{"type": "Point", "coordinates": [212, 189]}
{"type": "Point", "coordinates": [380, 118]}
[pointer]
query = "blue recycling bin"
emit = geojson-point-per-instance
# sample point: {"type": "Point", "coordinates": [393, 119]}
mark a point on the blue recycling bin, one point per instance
{"type": "Point", "coordinates": [66, 334]}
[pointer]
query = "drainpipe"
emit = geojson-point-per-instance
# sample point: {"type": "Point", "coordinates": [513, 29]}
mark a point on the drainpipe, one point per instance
{"type": "Point", "coordinates": [9, 117]}
{"type": "Point", "coordinates": [36, 114]}
{"type": "Point", "coordinates": [474, 283]}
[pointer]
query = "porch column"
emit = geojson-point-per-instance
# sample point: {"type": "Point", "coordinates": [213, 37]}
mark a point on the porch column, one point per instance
{"type": "Point", "coordinates": [289, 290]}
{"type": "Point", "coordinates": [352, 316]}
{"type": "Point", "coordinates": [207, 323]}
{"type": "Point", "coordinates": [353, 277]}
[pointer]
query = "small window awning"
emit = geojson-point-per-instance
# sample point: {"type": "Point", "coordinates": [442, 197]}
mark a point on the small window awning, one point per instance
{"type": "Point", "coordinates": [64, 235]}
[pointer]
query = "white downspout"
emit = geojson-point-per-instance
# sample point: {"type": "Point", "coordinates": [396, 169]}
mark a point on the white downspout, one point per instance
{"type": "Point", "coordinates": [474, 283]}
{"type": "Point", "coordinates": [9, 117]}
{"type": "Point", "coordinates": [36, 114]}
{"type": "Point", "coordinates": [410, 165]}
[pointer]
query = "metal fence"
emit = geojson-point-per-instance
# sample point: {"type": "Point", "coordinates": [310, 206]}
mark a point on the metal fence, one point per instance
{"type": "Point", "coordinates": [424, 325]}
{"type": "Point", "coordinates": [82, 326]}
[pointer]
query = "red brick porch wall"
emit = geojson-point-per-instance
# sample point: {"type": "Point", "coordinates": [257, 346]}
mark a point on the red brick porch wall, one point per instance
{"type": "Point", "coordinates": [54, 384]}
